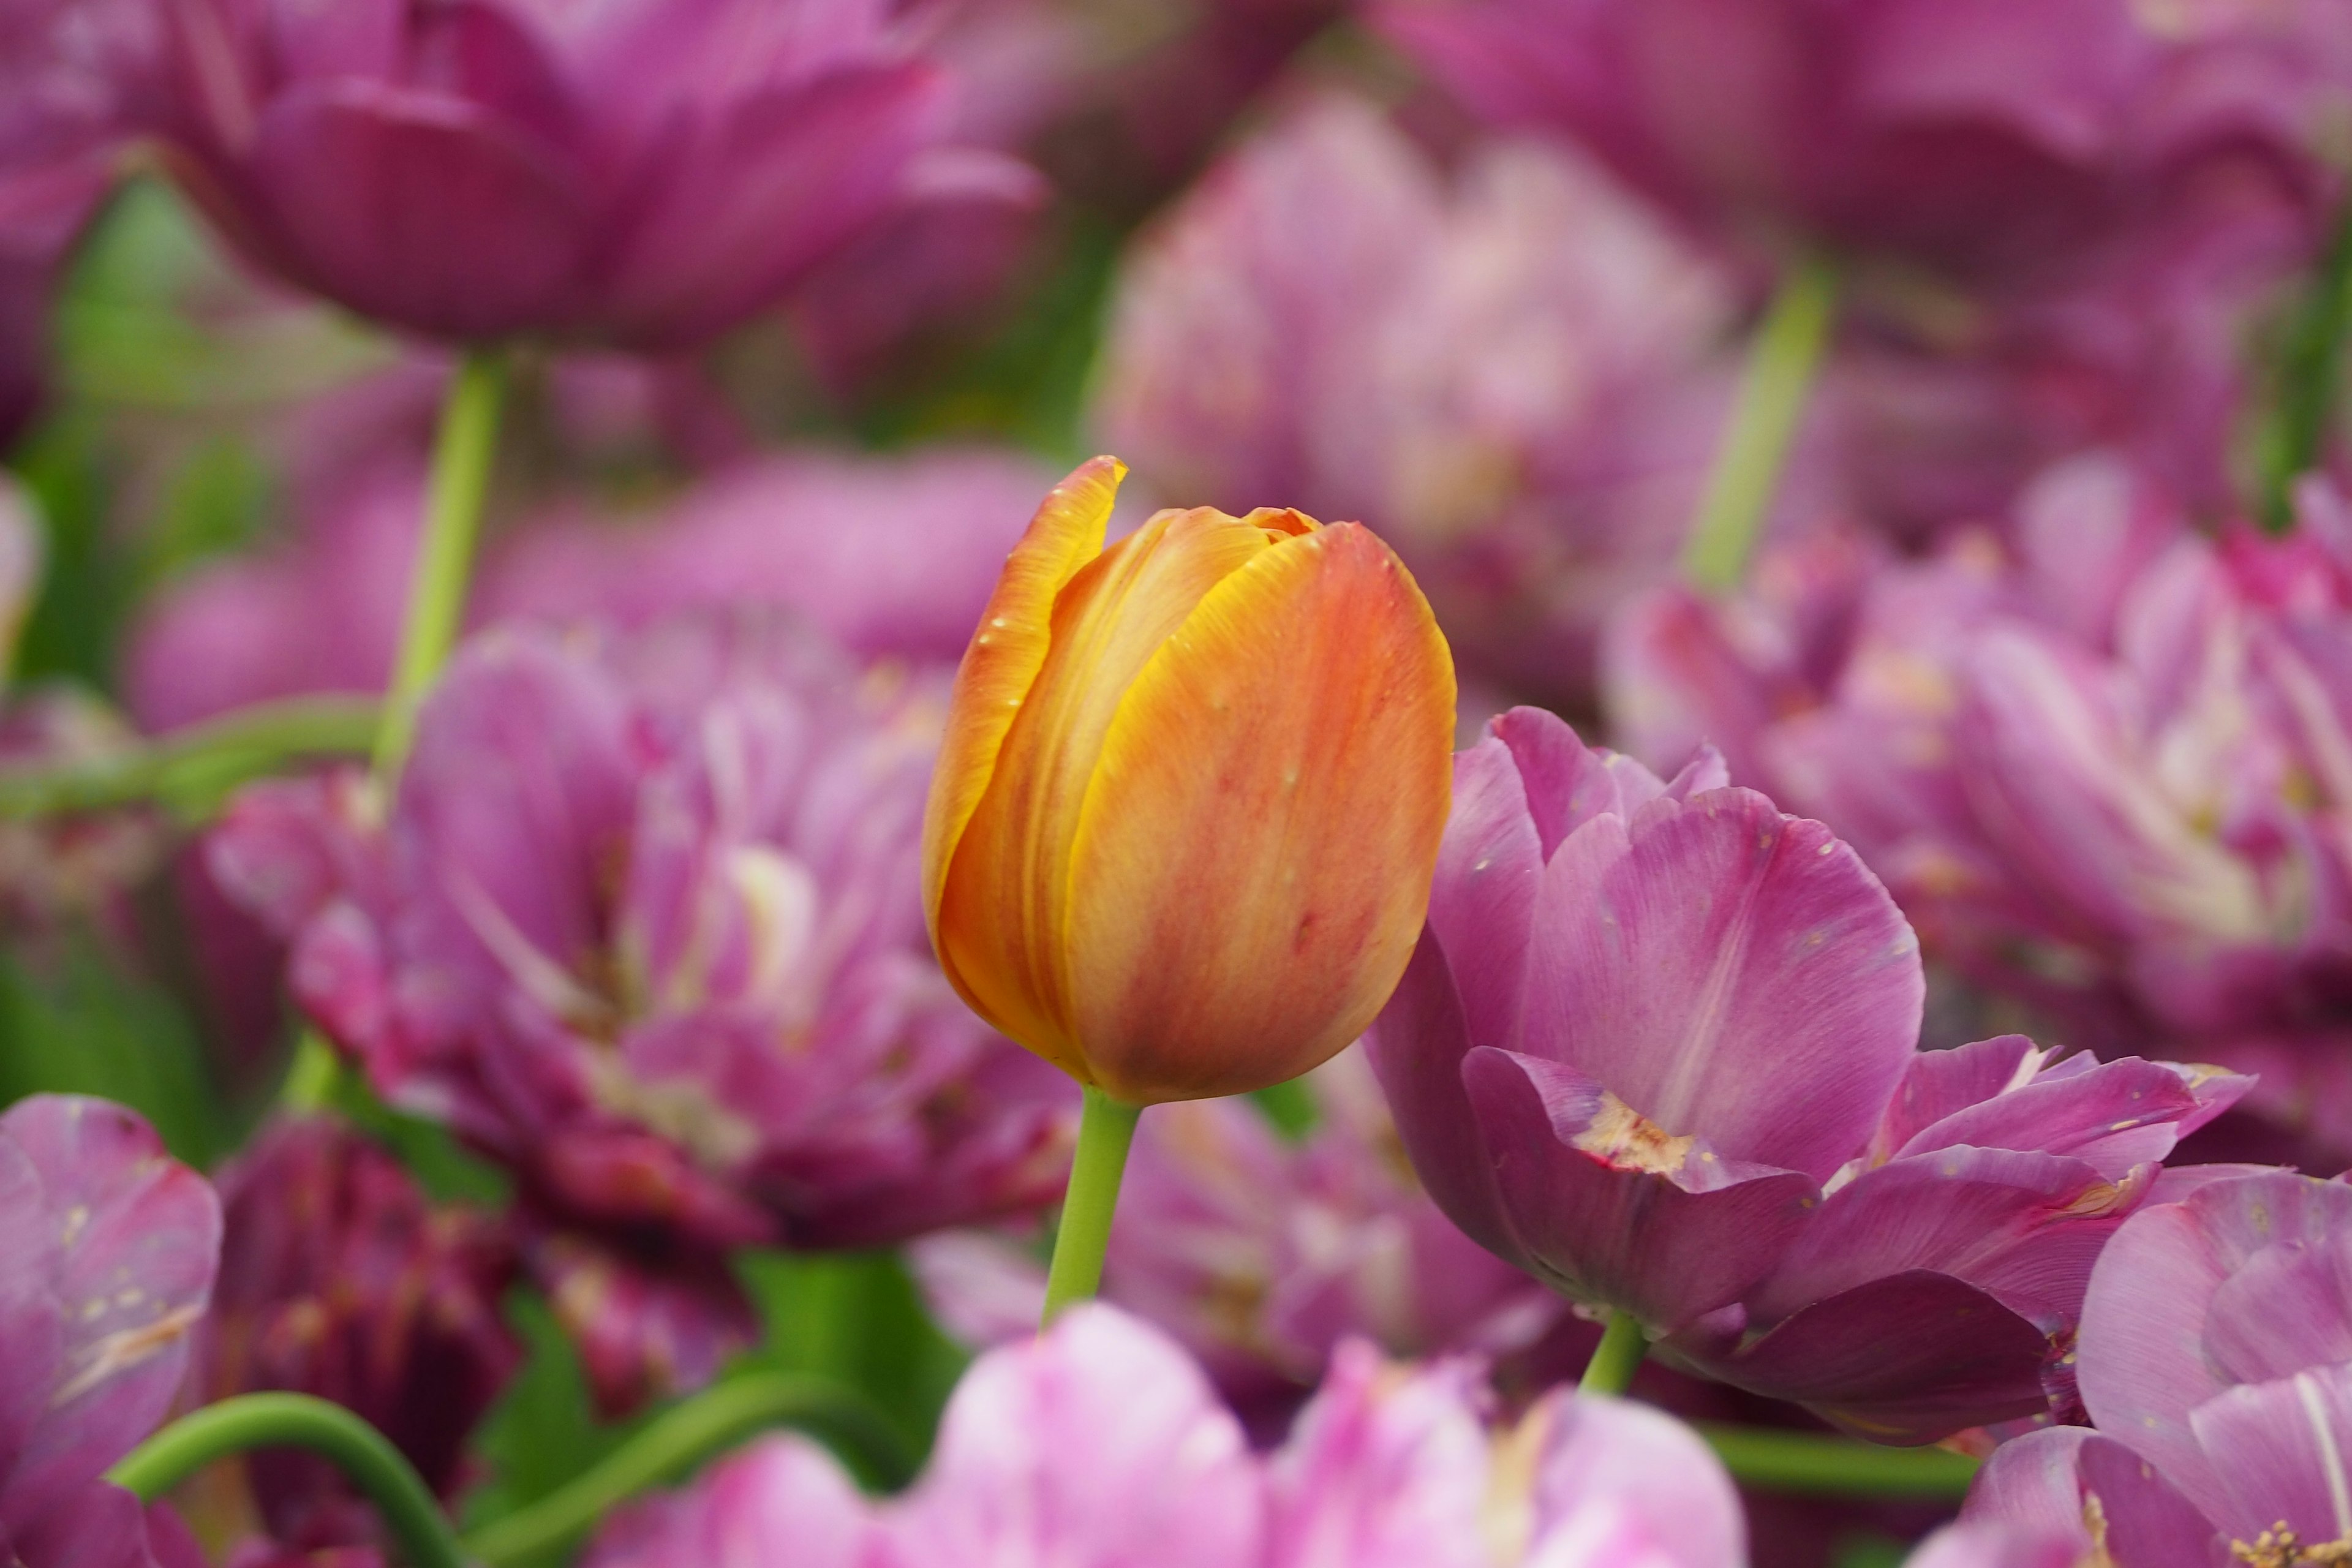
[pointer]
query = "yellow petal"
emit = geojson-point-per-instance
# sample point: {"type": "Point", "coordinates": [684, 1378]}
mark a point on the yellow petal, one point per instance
{"type": "Point", "coordinates": [1003, 906]}
{"type": "Point", "coordinates": [1252, 858]}
{"type": "Point", "coordinates": [1005, 655]}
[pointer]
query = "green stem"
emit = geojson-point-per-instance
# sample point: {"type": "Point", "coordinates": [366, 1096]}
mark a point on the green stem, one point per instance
{"type": "Point", "coordinates": [1782, 363]}
{"type": "Point", "coordinates": [298, 1421]}
{"type": "Point", "coordinates": [1837, 1466]}
{"type": "Point", "coordinates": [684, 1436]}
{"type": "Point", "coordinates": [196, 766]}
{"type": "Point", "coordinates": [1622, 1346]}
{"type": "Point", "coordinates": [2310, 373]}
{"type": "Point", "coordinates": [462, 455]}
{"type": "Point", "coordinates": [1106, 1128]}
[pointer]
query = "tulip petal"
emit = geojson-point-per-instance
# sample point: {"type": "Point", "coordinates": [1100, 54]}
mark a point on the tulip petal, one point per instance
{"type": "Point", "coordinates": [1728, 973]}
{"type": "Point", "coordinates": [141, 1238]}
{"type": "Point", "coordinates": [32, 1331]}
{"type": "Point", "coordinates": [1652, 1477]}
{"type": "Point", "coordinates": [1660, 1228]}
{"type": "Point", "coordinates": [1482, 902]}
{"type": "Point", "coordinates": [2117, 1115]}
{"type": "Point", "coordinates": [1416, 1047]}
{"type": "Point", "coordinates": [993, 681]}
{"type": "Point", "coordinates": [2282, 1451]}
{"type": "Point", "coordinates": [1910, 1358]}
{"type": "Point", "coordinates": [98, 1525]}
{"type": "Point", "coordinates": [2065, 1482]}
{"type": "Point", "coordinates": [2024, 1227]}
{"type": "Point", "coordinates": [419, 208]}
{"type": "Point", "coordinates": [1294, 738]}
{"type": "Point", "coordinates": [1944, 1083]}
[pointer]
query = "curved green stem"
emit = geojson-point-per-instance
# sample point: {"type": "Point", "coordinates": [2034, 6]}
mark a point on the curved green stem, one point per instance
{"type": "Point", "coordinates": [195, 767]}
{"type": "Point", "coordinates": [683, 1435]}
{"type": "Point", "coordinates": [1837, 1466]}
{"type": "Point", "coordinates": [1106, 1128]}
{"type": "Point", "coordinates": [1782, 364]}
{"type": "Point", "coordinates": [1622, 1346]}
{"type": "Point", "coordinates": [2310, 373]}
{"type": "Point", "coordinates": [462, 455]}
{"type": "Point", "coordinates": [298, 1421]}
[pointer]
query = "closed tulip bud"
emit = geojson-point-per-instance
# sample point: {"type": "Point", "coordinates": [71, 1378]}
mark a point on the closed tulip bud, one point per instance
{"type": "Point", "coordinates": [1184, 823]}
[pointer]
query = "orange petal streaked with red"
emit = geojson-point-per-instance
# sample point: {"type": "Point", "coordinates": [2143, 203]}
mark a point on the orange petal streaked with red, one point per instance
{"type": "Point", "coordinates": [1005, 655]}
{"type": "Point", "coordinates": [1002, 910]}
{"type": "Point", "coordinates": [1252, 858]}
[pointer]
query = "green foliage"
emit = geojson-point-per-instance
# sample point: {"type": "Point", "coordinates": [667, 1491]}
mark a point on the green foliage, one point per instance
{"type": "Point", "coordinates": [82, 1024]}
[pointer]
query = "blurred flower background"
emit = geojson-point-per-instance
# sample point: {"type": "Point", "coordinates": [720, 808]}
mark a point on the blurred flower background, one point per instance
{"type": "Point", "coordinates": [1920, 417]}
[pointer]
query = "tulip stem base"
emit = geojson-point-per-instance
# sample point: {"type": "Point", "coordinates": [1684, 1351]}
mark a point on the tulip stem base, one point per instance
{"type": "Point", "coordinates": [1818, 1466]}
{"type": "Point", "coordinates": [1106, 1130]}
{"type": "Point", "coordinates": [685, 1435]}
{"type": "Point", "coordinates": [1781, 365]}
{"type": "Point", "coordinates": [463, 452]}
{"type": "Point", "coordinates": [298, 1421]}
{"type": "Point", "coordinates": [1622, 1346]}
{"type": "Point", "coordinates": [2310, 373]}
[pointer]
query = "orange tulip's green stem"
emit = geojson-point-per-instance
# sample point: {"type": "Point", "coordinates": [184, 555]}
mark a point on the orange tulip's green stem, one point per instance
{"type": "Point", "coordinates": [1106, 1130]}
{"type": "Point", "coordinates": [463, 452]}
{"type": "Point", "coordinates": [1782, 364]}
{"type": "Point", "coordinates": [298, 1421]}
{"type": "Point", "coordinates": [2310, 373]}
{"type": "Point", "coordinates": [1622, 1346]}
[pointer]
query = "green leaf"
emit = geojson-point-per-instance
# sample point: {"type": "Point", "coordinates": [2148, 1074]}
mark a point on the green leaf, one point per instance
{"type": "Point", "coordinates": [856, 1317]}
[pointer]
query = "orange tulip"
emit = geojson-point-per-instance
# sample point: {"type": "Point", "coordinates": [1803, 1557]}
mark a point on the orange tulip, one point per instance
{"type": "Point", "coordinates": [1181, 836]}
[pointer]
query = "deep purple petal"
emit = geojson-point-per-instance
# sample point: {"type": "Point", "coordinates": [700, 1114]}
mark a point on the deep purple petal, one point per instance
{"type": "Point", "coordinates": [142, 1240]}
{"type": "Point", "coordinates": [95, 1525]}
{"type": "Point", "coordinates": [32, 1327]}
{"type": "Point", "coordinates": [1911, 1358]}
{"type": "Point", "coordinates": [420, 209]}
{"type": "Point", "coordinates": [1943, 1083]}
{"type": "Point", "coordinates": [2024, 1227]}
{"type": "Point", "coordinates": [1482, 901]}
{"type": "Point", "coordinates": [2115, 1116]}
{"type": "Point", "coordinates": [2061, 1483]}
{"type": "Point", "coordinates": [1610, 1210]}
{"type": "Point", "coordinates": [1729, 973]}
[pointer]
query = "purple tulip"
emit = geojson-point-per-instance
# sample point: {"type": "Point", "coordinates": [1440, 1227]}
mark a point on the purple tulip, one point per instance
{"type": "Point", "coordinates": [1261, 1255]}
{"type": "Point", "coordinates": [111, 1247]}
{"type": "Point", "coordinates": [644, 924]}
{"type": "Point", "coordinates": [1511, 371]}
{"type": "Point", "coordinates": [339, 1279]}
{"type": "Point", "coordinates": [1990, 143]}
{"type": "Point", "coordinates": [2216, 1360]}
{"type": "Point", "coordinates": [644, 173]}
{"type": "Point", "coordinates": [2099, 765]}
{"type": "Point", "coordinates": [1658, 1046]}
{"type": "Point", "coordinates": [1099, 1444]}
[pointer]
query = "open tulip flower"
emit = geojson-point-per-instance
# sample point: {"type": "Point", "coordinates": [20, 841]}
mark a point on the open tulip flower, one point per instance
{"type": "Point", "coordinates": [643, 925]}
{"type": "Point", "coordinates": [1658, 1046]}
{"type": "Point", "coordinates": [645, 173]}
{"type": "Point", "coordinates": [1181, 836]}
{"type": "Point", "coordinates": [109, 1247]}
{"type": "Point", "coordinates": [1390, 1467]}
{"type": "Point", "coordinates": [2216, 1360]}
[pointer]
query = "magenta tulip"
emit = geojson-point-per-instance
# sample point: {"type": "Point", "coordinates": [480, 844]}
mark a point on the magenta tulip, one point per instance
{"type": "Point", "coordinates": [644, 173]}
{"type": "Point", "coordinates": [644, 924]}
{"type": "Point", "coordinates": [1658, 1046]}
{"type": "Point", "coordinates": [2216, 1361]}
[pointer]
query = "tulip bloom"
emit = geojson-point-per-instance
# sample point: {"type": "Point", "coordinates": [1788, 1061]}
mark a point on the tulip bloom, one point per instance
{"type": "Point", "coordinates": [1099, 1444]}
{"type": "Point", "coordinates": [1658, 1048]}
{"type": "Point", "coordinates": [1182, 833]}
{"type": "Point", "coordinates": [2216, 1359]}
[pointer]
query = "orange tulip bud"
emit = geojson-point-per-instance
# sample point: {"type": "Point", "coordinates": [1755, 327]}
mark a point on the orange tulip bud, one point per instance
{"type": "Point", "coordinates": [1180, 838]}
